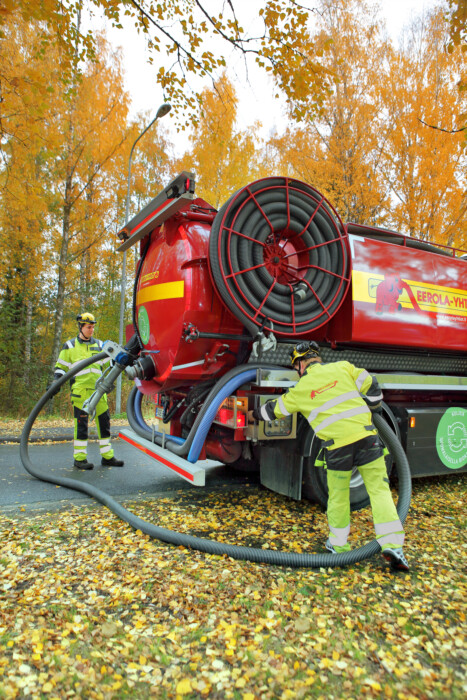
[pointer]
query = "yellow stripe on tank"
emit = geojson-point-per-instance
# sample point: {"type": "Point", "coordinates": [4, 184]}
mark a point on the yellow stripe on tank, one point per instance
{"type": "Point", "coordinates": [157, 292]}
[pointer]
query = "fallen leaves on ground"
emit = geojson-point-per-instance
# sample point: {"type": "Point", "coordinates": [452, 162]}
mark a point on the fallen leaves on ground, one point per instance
{"type": "Point", "coordinates": [91, 608]}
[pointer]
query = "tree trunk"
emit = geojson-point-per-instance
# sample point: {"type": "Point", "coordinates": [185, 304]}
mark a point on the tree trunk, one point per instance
{"type": "Point", "coordinates": [62, 273]}
{"type": "Point", "coordinates": [27, 343]}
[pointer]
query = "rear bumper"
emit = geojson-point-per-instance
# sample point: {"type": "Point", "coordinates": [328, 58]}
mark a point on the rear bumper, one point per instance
{"type": "Point", "coordinates": [193, 473]}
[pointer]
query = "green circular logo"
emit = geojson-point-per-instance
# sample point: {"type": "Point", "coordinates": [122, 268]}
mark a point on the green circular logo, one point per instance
{"type": "Point", "coordinates": [451, 438]}
{"type": "Point", "coordinates": [143, 325]}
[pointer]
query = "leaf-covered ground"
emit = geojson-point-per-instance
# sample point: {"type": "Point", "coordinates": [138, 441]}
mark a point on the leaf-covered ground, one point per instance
{"type": "Point", "coordinates": [90, 608]}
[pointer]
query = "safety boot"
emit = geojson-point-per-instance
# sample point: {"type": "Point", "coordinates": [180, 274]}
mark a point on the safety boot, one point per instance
{"type": "Point", "coordinates": [112, 462]}
{"type": "Point", "coordinates": [83, 464]}
{"type": "Point", "coordinates": [396, 558]}
{"type": "Point", "coordinates": [335, 549]}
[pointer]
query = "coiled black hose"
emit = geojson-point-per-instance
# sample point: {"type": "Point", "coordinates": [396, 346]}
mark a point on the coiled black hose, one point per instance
{"type": "Point", "coordinates": [291, 559]}
{"type": "Point", "coordinates": [278, 256]}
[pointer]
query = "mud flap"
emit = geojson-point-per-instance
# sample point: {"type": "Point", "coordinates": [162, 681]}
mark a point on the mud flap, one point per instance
{"type": "Point", "coordinates": [281, 469]}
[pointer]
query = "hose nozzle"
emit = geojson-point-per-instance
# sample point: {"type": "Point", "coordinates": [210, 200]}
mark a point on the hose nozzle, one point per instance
{"type": "Point", "coordinates": [104, 385]}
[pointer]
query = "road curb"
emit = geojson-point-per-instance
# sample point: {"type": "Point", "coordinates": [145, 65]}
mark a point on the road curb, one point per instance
{"type": "Point", "coordinates": [49, 435]}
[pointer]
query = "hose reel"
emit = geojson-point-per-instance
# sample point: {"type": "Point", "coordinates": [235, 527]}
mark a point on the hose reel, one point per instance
{"type": "Point", "coordinates": [278, 257]}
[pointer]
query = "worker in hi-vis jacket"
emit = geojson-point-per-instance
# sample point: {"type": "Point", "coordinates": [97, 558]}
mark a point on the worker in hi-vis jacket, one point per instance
{"type": "Point", "coordinates": [82, 387]}
{"type": "Point", "coordinates": [336, 399]}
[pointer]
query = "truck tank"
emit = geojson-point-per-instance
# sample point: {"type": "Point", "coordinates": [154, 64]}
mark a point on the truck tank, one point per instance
{"type": "Point", "coordinates": [277, 259]}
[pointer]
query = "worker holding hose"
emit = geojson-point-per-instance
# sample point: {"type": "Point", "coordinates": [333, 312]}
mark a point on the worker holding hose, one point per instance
{"type": "Point", "coordinates": [82, 387]}
{"type": "Point", "coordinates": [337, 399]}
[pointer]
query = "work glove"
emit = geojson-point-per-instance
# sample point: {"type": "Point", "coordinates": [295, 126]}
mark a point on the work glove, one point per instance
{"type": "Point", "coordinates": [54, 386]}
{"type": "Point", "coordinates": [124, 359]}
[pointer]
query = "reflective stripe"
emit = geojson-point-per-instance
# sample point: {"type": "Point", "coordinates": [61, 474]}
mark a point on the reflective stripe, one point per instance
{"type": "Point", "coordinates": [104, 450]}
{"type": "Point", "coordinates": [79, 451]}
{"type": "Point", "coordinates": [264, 412]}
{"type": "Point", "coordinates": [69, 344]}
{"type": "Point", "coordinates": [396, 538]}
{"type": "Point", "coordinates": [84, 358]}
{"type": "Point", "coordinates": [332, 403]}
{"type": "Point", "coordinates": [374, 399]}
{"type": "Point", "coordinates": [361, 378]}
{"type": "Point", "coordinates": [88, 371]}
{"type": "Point", "coordinates": [104, 441]}
{"type": "Point", "coordinates": [387, 528]}
{"type": "Point", "coordinates": [80, 443]}
{"type": "Point", "coordinates": [282, 408]}
{"type": "Point", "coordinates": [339, 535]}
{"type": "Point", "coordinates": [64, 362]}
{"type": "Point", "coordinates": [340, 416]}
{"type": "Point", "coordinates": [371, 394]}
{"type": "Point", "coordinates": [61, 372]}
{"type": "Point", "coordinates": [83, 371]}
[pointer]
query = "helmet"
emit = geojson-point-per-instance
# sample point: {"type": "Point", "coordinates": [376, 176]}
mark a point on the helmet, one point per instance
{"type": "Point", "coordinates": [85, 317]}
{"type": "Point", "coordinates": [304, 350]}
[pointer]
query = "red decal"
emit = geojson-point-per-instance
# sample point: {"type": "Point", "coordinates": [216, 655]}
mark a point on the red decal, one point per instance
{"type": "Point", "coordinates": [322, 389]}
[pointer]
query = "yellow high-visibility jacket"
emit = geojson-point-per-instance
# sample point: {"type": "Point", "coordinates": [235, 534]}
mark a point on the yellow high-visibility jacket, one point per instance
{"type": "Point", "coordinates": [74, 351]}
{"type": "Point", "coordinates": [330, 397]}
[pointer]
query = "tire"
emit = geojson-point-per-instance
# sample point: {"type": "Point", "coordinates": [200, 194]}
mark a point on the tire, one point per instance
{"type": "Point", "coordinates": [314, 485]}
{"type": "Point", "coordinates": [358, 494]}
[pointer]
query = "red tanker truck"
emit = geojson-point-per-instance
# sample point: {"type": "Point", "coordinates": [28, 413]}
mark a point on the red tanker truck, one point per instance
{"type": "Point", "coordinates": [220, 298]}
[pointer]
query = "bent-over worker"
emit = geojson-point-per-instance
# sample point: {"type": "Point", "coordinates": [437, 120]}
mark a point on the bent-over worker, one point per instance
{"type": "Point", "coordinates": [336, 398]}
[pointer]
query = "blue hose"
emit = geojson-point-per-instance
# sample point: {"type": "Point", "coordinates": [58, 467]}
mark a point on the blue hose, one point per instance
{"type": "Point", "coordinates": [138, 414]}
{"type": "Point", "coordinates": [145, 426]}
{"type": "Point", "coordinates": [182, 450]}
{"type": "Point", "coordinates": [205, 424]}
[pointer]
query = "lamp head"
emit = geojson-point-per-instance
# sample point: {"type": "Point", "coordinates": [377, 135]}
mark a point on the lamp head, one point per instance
{"type": "Point", "coordinates": [163, 110]}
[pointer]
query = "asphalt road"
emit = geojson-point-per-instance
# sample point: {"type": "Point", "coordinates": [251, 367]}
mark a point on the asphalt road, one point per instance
{"type": "Point", "coordinates": [141, 477]}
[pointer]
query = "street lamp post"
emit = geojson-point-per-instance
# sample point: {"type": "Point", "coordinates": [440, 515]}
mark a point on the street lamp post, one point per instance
{"type": "Point", "coordinates": [161, 112]}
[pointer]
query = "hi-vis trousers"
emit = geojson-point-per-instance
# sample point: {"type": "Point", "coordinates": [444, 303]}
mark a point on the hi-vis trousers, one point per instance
{"type": "Point", "coordinates": [81, 420]}
{"type": "Point", "coordinates": [388, 527]}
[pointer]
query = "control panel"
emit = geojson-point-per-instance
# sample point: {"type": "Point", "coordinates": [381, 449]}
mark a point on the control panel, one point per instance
{"type": "Point", "coordinates": [276, 429]}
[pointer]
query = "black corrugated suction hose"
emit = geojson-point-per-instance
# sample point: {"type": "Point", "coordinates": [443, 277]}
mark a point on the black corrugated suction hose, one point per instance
{"type": "Point", "coordinates": [278, 256]}
{"type": "Point", "coordinates": [211, 546]}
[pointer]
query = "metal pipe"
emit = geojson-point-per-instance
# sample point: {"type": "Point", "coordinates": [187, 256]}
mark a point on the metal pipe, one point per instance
{"type": "Point", "coordinates": [161, 112]}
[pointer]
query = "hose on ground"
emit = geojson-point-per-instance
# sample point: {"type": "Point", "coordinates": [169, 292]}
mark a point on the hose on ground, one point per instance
{"type": "Point", "coordinates": [278, 558]}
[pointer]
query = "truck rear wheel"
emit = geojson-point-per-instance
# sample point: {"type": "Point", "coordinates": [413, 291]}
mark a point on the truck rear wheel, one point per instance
{"type": "Point", "coordinates": [314, 486]}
